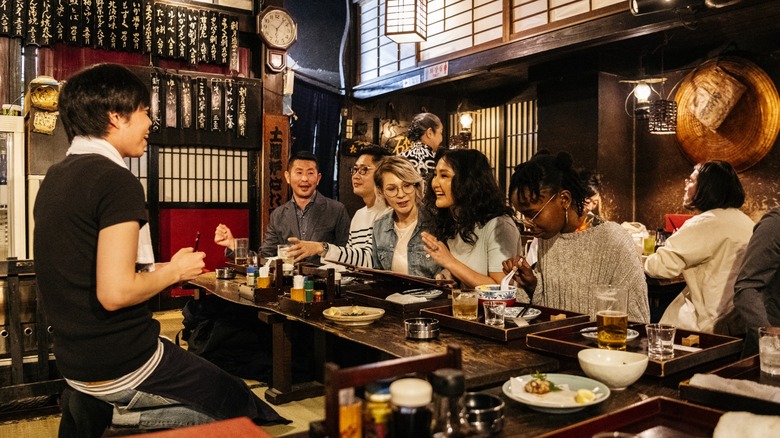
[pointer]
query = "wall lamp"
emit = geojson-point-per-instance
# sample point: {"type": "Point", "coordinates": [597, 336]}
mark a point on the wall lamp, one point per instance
{"type": "Point", "coordinates": [641, 7]}
{"type": "Point", "coordinates": [642, 92]}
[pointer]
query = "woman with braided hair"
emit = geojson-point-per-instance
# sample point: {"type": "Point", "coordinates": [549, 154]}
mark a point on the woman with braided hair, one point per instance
{"type": "Point", "coordinates": [426, 131]}
{"type": "Point", "coordinates": [549, 193]}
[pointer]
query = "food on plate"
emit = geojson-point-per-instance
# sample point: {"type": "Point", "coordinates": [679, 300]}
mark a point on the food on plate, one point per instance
{"type": "Point", "coordinates": [584, 396]}
{"type": "Point", "coordinates": [540, 385]}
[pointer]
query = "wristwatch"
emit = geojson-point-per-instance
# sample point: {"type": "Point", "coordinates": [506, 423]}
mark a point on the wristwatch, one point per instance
{"type": "Point", "coordinates": [325, 247]}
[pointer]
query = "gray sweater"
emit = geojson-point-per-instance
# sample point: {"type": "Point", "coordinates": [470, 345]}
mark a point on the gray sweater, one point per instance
{"type": "Point", "coordinates": [571, 264]}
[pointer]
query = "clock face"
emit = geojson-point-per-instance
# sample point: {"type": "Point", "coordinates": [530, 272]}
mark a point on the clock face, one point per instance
{"type": "Point", "coordinates": [278, 28]}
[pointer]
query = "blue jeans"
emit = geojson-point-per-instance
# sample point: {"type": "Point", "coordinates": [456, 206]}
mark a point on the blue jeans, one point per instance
{"type": "Point", "coordinates": [185, 390]}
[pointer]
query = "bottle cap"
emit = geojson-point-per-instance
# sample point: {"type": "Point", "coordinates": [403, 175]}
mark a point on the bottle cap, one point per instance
{"type": "Point", "coordinates": [298, 282]}
{"type": "Point", "coordinates": [448, 382]}
{"type": "Point", "coordinates": [250, 270]}
{"type": "Point", "coordinates": [413, 393]}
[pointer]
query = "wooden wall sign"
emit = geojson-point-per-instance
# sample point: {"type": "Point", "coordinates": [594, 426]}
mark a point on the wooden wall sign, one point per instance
{"type": "Point", "coordinates": [276, 149]}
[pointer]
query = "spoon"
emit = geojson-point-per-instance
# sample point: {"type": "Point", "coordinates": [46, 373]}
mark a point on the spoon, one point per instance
{"type": "Point", "coordinates": [505, 281]}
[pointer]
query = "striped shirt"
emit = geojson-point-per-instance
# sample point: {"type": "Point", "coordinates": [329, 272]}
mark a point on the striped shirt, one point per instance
{"type": "Point", "coordinates": [361, 236]}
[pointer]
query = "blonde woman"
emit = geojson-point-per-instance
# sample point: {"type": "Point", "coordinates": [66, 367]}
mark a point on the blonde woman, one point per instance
{"type": "Point", "coordinates": [398, 245]}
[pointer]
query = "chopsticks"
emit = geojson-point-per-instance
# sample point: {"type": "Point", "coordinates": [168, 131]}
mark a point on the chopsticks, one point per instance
{"type": "Point", "coordinates": [197, 242]}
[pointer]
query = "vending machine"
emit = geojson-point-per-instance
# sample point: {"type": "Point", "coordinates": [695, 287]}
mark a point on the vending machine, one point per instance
{"type": "Point", "coordinates": [13, 205]}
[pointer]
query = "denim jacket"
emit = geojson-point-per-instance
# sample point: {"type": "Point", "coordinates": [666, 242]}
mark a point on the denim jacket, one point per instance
{"type": "Point", "coordinates": [385, 239]}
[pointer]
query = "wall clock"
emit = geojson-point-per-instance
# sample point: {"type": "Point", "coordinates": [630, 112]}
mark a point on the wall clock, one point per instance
{"type": "Point", "coordinates": [277, 28]}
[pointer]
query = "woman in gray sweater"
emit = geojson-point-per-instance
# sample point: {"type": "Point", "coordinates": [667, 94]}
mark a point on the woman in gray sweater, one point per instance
{"type": "Point", "coordinates": [550, 195]}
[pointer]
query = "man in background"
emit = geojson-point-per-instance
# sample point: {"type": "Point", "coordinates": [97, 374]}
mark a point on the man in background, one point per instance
{"type": "Point", "coordinates": [308, 215]}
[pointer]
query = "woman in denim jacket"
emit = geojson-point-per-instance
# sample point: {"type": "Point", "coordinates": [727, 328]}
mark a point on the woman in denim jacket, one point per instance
{"type": "Point", "coordinates": [398, 245]}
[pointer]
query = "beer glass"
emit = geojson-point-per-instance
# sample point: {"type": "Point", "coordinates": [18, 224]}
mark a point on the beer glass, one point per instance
{"type": "Point", "coordinates": [611, 316]}
{"type": "Point", "coordinates": [242, 250]}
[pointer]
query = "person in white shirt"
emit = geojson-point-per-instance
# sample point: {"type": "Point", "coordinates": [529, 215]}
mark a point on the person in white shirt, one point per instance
{"type": "Point", "coordinates": [358, 248]}
{"type": "Point", "coordinates": [708, 251]}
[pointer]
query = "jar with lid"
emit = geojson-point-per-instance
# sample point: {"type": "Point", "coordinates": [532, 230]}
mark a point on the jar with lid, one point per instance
{"type": "Point", "coordinates": [411, 399]}
{"type": "Point", "coordinates": [378, 410]}
{"type": "Point", "coordinates": [449, 412]}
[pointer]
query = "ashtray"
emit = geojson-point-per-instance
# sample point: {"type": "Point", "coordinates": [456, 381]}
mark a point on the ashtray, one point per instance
{"type": "Point", "coordinates": [422, 328]}
{"type": "Point", "coordinates": [226, 273]}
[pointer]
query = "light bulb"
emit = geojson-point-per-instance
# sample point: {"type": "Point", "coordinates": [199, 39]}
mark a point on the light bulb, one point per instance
{"type": "Point", "coordinates": [642, 92]}
{"type": "Point", "coordinates": [466, 120]}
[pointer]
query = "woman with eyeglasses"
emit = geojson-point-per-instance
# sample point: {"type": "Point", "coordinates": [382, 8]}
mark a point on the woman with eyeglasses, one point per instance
{"type": "Point", "coordinates": [473, 228]}
{"type": "Point", "coordinates": [550, 194]}
{"type": "Point", "coordinates": [397, 242]}
{"type": "Point", "coordinates": [708, 251]}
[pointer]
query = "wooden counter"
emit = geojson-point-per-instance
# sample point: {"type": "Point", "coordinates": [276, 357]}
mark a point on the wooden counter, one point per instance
{"type": "Point", "coordinates": [485, 363]}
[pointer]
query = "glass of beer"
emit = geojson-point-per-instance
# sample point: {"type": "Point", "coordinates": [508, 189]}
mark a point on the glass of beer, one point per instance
{"type": "Point", "coordinates": [465, 304]}
{"type": "Point", "coordinates": [611, 316]}
{"type": "Point", "coordinates": [242, 250]}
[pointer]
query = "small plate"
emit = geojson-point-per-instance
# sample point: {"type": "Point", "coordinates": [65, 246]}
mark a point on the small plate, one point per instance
{"type": "Point", "coordinates": [512, 312]}
{"type": "Point", "coordinates": [428, 294]}
{"type": "Point", "coordinates": [592, 333]}
{"type": "Point", "coordinates": [558, 402]}
{"type": "Point", "coordinates": [353, 315]}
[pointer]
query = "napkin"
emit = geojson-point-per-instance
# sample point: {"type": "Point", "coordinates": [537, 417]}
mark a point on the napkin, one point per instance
{"type": "Point", "coordinates": [745, 388]}
{"type": "Point", "coordinates": [405, 299]}
{"type": "Point", "coordinates": [747, 425]}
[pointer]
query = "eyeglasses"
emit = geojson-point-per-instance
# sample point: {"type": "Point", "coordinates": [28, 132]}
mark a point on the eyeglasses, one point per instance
{"type": "Point", "coordinates": [688, 181]}
{"type": "Point", "coordinates": [392, 191]}
{"type": "Point", "coordinates": [529, 223]}
{"type": "Point", "coordinates": [362, 170]}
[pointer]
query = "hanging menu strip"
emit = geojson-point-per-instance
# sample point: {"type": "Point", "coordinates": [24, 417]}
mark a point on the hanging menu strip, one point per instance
{"type": "Point", "coordinates": [147, 42]}
{"type": "Point", "coordinates": [203, 36]}
{"type": "Point", "coordinates": [47, 29]}
{"type": "Point", "coordinates": [112, 21]}
{"type": "Point", "coordinates": [181, 33]}
{"type": "Point", "coordinates": [185, 102]}
{"type": "Point", "coordinates": [171, 109]}
{"type": "Point", "coordinates": [234, 44]}
{"type": "Point", "coordinates": [241, 107]}
{"type": "Point", "coordinates": [19, 18]}
{"type": "Point", "coordinates": [99, 24]}
{"type": "Point", "coordinates": [154, 107]}
{"type": "Point", "coordinates": [87, 22]}
{"type": "Point", "coordinates": [136, 28]}
{"type": "Point", "coordinates": [159, 30]}
{"type": "Point", "coordinates": [6, 10]}
{"type": "Point", "coordinates": [201, 105]}
{"type": "Point", "coordinates": [170, 31]}
{"type": "Point", "coordinates": [123, 25]}
{"type": "Point", "coordinates": [224, 39]}
{"type": "Point", "coordinates": [213, 35]}
{"type": "Point", "coordinates": [230, 106]}
{"type": "Point", "coordinates": [216, 105]}
{"type": "Point", "coordinates": [34, 23]}
{"type": "Point", "coordinates": [192, 36]}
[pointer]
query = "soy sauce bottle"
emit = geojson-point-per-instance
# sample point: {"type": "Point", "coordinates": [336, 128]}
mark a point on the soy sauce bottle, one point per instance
{"type": "Point", "coordinates": [449, 412]}
{"type": "Point", "coordinates": [411, 399]}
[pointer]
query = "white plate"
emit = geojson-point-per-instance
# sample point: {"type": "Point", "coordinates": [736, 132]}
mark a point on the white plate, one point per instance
{"type": "Point", "coordinates": [353, 315]}
{"type": "Point", "coordinates": [591, 333]}
{"type": "Point", "coordinates": [428, 294]}
{"type": "Point", "coordinates": [512, 312]}
{"type": "Point", "coordinates": [557, 402]}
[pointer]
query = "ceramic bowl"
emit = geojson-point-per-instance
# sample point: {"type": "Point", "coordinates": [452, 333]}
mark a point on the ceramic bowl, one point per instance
{"type": "Point", "coordinates": [485, 412]}
{"type": "Point", "coordinates": [493, 292]}
{"type": "Point", "coordinates": [616, 369]}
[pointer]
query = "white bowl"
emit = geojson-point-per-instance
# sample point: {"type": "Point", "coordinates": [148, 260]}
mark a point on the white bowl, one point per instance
{"type": "Point", "coordinates": [616, 369]}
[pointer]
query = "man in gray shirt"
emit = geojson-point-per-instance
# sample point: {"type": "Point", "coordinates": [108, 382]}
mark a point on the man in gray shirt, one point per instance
{"type": "Point", "coordinates": [757, 290]}
{"type": "Point", "coordinates": [308, 215]}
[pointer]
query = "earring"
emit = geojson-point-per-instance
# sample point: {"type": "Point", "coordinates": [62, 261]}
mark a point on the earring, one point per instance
{"type": "Point", "coordinates": [566, 215]}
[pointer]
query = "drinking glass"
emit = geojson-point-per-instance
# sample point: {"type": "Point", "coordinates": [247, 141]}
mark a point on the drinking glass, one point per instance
{"type": "Point", "coordinates": [494, 313]}
{"type": "Point", "coordinates": [611, 316]}
{"type": "Point", "coordinates": [769, 350]}
{"type": "Point", "coordinates": [465, 304]}
{"type": "Point", "coordinates": [241, 250]}
{"type": "Point", "coordinates": [282, 253]}
{"type": "Point", "coordinates": [660, 341]}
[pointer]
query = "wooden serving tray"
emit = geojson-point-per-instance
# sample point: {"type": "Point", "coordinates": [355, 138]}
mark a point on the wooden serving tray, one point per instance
{"type": "Point", "coordinates": [567, 341]}
{"type": "Point", "coordinates": [373, 295]}
{"type": "Point", "coordinates": [510, 331]}
{"type": "Point", "coordinates": [654, 417]}
{"type": "Point", "coordinates": [745, 369]}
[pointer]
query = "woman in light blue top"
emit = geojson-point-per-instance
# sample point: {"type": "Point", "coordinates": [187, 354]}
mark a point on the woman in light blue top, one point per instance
{"type": "Point", "coordinates": [398, 245]}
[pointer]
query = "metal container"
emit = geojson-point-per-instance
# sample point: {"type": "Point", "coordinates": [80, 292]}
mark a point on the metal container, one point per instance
{"type": "Point", "coordinates": [422, 328]}
{"type": "Point", "coordinates": [226, 273]}
{"type": "Point", "coordinates": [484, 411]}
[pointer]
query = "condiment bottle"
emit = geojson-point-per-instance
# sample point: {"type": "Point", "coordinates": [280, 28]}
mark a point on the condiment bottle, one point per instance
{"type": "Point", "coordinates": [263, 279]}
{"type": "Point", "coordinates": [251, 276]}
{"type": "Point", "coordinates": [296, 292]}
{"type": "Point", "coordinates": [336, 285]}
{"type": "Point", "coordinates": [449, 414]}
{"type": "Point", "coordinates": [350, 419]}
{"type": "Point", "coordinates": [378, 410]}
{"type": "Point", "coordinates": [308, 288]}
{"type": "Point", "coordinates": [411, 399]}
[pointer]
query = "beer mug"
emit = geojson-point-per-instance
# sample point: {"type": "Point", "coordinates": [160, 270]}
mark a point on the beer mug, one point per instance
{"type": "Point", "coordinates": [611, 316]}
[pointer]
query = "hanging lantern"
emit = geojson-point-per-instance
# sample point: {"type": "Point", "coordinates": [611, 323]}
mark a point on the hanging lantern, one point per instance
{"type": "Point", "coordinates": [406, 20]}
{"type": "Point", "coordinates": [663, 117]}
